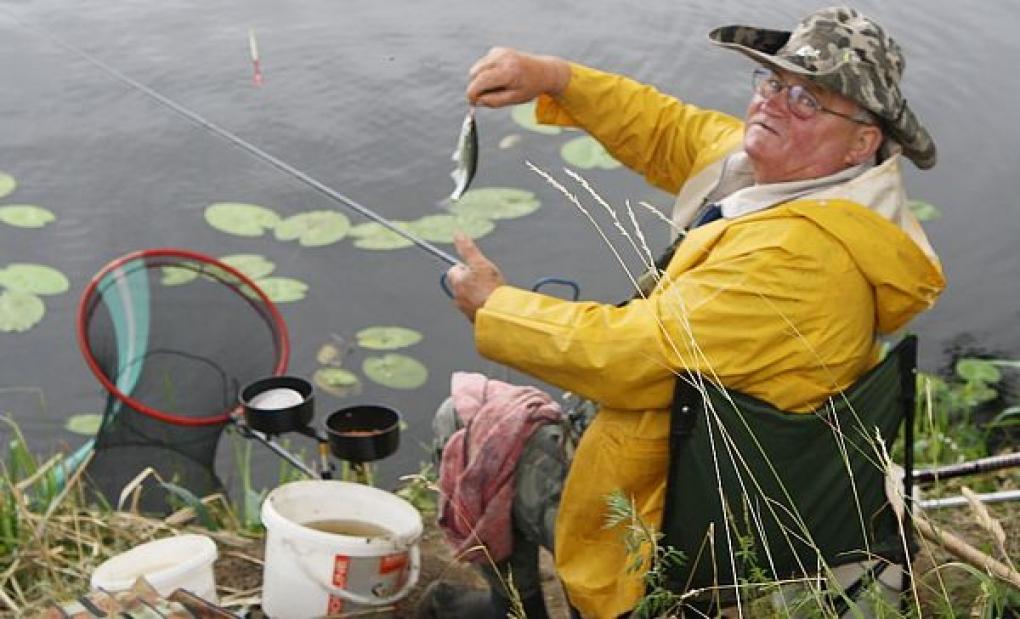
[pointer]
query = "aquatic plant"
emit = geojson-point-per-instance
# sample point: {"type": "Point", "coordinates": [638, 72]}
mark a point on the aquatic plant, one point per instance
{"type": "Point", "coordinates": [241, 219]}
{"type": "Point", "coordinates": [587, 153]}
{"type": "Point", "coordinates": [25, 215]}
{"type": "Point", "coordinates": [395, 371]}
{"type": "Point", "coordinates": [387, 338]}
{"type": "Point", "coordinates": [314, 228]}
{"type": "Point", "coordinates": [21, 215]}
{"type": "Point", "coordinates": [496, 203]}
{"type": "Point", "coordinates": [524, 115]}
{"type": "Point", "coordinates": [21, 286]}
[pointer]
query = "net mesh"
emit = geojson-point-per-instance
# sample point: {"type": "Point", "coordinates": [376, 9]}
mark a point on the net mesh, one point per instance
{"type": "Point", "coordinates": [172, 336]}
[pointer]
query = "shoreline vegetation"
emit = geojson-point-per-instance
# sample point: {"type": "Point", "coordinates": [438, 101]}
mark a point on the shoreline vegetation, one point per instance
{"type": "Point", "coordinates": [53, 534]}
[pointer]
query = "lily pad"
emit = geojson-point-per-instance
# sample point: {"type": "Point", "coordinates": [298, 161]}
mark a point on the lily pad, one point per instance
{"type": "Point", "coordinates": [373, 235]}
{"type": "Point", "coordinates": [252, 265]}
{"type": "Point", "coordinates": [496, 203]}
{"type": "Point", "coordinates": [240, 219]}
{"type": "Point", "coordinates": [20, 311]}
{"type": "Point", "coordinates": [395, 371]}
{"type": "Point", "coordinates": [387, 338]}
{"type": "Point", "coordinates": [587, 153]}
{"type": "Point", "coordinates": [7, 184]}
{"type": "Point", "coordinates": [283, 289]}
{"type": "Point", "coordinates": [329, 354]}
{"type": "Point", "coordinates": [177, 276]}
{"type": "Point", "coordinates": [978, 371]}
{"type": "Point", "coordinates": [87, 424]}
{"type": "Point", "coordinates": [441, 228]}
{"type": "Point", "coordinates": [336, 381]}
{"type": "Point", "coordinates": [33, 278]}
{"type": "Point", "coordinates": [509, 141]}
{"type": "Point", "coordinates": [923, 210]}
{"type": "Point", "coordinates": [524, 115]}
{"type": "Point", "coordinates": [25, 215]}
{"type": "Point", "coordinates": [314, 228]}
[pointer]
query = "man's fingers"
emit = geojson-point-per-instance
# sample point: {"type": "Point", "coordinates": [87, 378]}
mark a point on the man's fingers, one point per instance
{"type": "Point", "coordinates": [467, 250]}
{"type": "Point", "coordinates": [500, 98]}
{"type": "Point", "coordinates": [491, 80]}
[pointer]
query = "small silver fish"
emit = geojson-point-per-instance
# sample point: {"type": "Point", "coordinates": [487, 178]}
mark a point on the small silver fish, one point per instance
{"type": "Point", "coordinates": [466, 156]}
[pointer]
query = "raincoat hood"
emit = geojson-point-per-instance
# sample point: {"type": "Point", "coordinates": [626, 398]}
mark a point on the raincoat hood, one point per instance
{"type": "Point", "coordinates": [884, 239]}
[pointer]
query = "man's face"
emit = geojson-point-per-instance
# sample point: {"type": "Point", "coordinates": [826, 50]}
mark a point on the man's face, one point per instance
{"type": "Point", "coordinates": [784, 147]}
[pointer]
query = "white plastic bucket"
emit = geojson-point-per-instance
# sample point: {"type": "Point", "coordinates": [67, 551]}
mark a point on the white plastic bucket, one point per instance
{"type": "Point", "coordinates": [168, 564]}
{"type": "Point", "coordinates": [311, 573]}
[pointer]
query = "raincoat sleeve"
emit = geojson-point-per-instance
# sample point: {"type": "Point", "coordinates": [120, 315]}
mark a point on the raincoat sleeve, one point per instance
{"type": "Point", "coordinates": [651, 133]}
{"type": "Point", "coordinates": [732, 318]}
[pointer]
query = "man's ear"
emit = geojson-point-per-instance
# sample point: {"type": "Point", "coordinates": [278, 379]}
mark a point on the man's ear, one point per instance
{"type": "Point", "coordinates": [866, 143]}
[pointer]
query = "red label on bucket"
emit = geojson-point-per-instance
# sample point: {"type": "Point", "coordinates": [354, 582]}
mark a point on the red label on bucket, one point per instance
{"type": "Point", "coordinates": [341, 565]}
{"type": "Point", "coordinates": [392, 563]}
{"type": "Point", "coordinates": [336, 605]}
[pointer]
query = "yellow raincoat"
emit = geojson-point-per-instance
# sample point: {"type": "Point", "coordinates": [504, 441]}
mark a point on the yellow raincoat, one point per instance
{"type": "Point", "coordinates": [782, 304]}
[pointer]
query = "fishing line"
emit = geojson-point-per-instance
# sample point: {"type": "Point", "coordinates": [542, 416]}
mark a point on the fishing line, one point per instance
{"type": "Point", "coordinates": [243, 144]}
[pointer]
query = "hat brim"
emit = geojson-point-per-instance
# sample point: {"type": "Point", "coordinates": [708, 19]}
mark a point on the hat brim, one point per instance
{"type": "Point", "coordinates": [761, 46]}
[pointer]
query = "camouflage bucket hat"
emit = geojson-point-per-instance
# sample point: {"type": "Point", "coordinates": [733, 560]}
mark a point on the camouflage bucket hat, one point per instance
{"type": "Point", "coordinates": [846, 52]}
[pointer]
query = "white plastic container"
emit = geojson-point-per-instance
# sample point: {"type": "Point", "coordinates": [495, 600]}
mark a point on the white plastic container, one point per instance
{"type": "Point", "coordinates": [311, 573]}
{"type": "Point", "coordinates": [168, 564]}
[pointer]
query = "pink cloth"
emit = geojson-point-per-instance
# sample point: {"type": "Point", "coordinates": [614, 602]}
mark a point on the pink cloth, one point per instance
{"type": "Point", "coordinates": [477, 472]}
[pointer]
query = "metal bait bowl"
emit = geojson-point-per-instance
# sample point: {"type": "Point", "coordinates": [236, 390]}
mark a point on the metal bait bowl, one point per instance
{"type": "Point", "coordinates": [363, 433]}
{"type": "Point", "coordinates": [278, 419]}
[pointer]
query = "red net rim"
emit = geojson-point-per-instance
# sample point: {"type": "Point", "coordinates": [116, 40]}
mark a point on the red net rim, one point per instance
{"type": "Point", "coordinates": [283, 339]}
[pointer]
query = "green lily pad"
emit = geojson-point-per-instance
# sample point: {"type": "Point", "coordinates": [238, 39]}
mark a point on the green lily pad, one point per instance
{"type": "Point", "coordinates": [586, 153]}
{"type": "Point", "coordinates": [329, 354]}
{"type": "Point", "coordinates": [373, 235]}
{"type": "Point", "coordinates": [441, 228]}
{"type": "Point", "coordinates": [524, 115]}
{"type": "Point", "coordinates": [978, 370]}
{"type": "Point", "coordinates": [282, 289]}
{"type": "Point", "coordinates": [387, 338]}
{"type": "Point", "coordinates": [33, 278]}
{"type": "Point", "coordinates": [314, 228]}
{"type": "Point", "coordinates": [336, 381]}
{"type": "Point", "coordinates": [509, 141]}
{"type": "Point", "coordinates": [240, 219]}
{"type": "Point", "coordinates": [395, 371]}
{"type": "Point", "coordinates": [496, 203]}
{"type": "Point", "coordinates": [25, 215]}
{"type": "Point", "coordinates": [177, 276]}
{"type": "Point", "coordinates": [87, 424]}
{"type": "Point", "coordinates": [252, 265]}
{"type": "Point", "coordinates": [20, 311]}
{"type": "Point", "coordinates": [923, 210]}
{"type": "Point", "coordinates": [7, 184]}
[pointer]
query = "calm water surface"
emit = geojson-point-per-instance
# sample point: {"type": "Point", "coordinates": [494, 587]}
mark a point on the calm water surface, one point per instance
{"type": "Point", "coordinates": [367, 96]}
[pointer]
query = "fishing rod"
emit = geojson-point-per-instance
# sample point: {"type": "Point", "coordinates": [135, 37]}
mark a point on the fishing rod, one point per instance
{"type": "Point", "coordinates": [982, 465]}
{"type": "Point", "coordinates": [244, 145]}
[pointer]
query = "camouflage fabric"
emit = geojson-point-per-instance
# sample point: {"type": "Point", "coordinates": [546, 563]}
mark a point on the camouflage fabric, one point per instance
{"type": "Point", "coordinates": [846, 52]}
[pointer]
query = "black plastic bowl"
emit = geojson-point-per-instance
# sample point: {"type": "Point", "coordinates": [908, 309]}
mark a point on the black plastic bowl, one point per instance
{"type": "Point", "coordinates": [279, 420]}
{"type": "Point", "coordinates": [363, 433]}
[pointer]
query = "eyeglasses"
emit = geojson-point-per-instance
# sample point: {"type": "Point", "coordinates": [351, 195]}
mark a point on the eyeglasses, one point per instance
{"type": "Point", "coordinates": [802, 103]}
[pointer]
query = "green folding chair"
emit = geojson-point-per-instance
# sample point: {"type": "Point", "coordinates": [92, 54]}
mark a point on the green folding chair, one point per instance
{"type": "Point", "coordinates": [756, 494]}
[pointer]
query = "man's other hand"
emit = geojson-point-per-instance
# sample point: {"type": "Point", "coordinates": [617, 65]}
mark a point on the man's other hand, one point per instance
{"type": "Point", "coordinates": [473, 281]}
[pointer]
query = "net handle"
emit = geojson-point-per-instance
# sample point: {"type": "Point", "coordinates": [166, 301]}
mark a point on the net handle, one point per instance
{"type": "Point", "coordinates": [81, 320]}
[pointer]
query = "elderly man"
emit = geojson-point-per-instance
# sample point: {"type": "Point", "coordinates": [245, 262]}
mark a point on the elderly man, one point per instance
{"type": "Point", "coordinates": [799, 250]}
